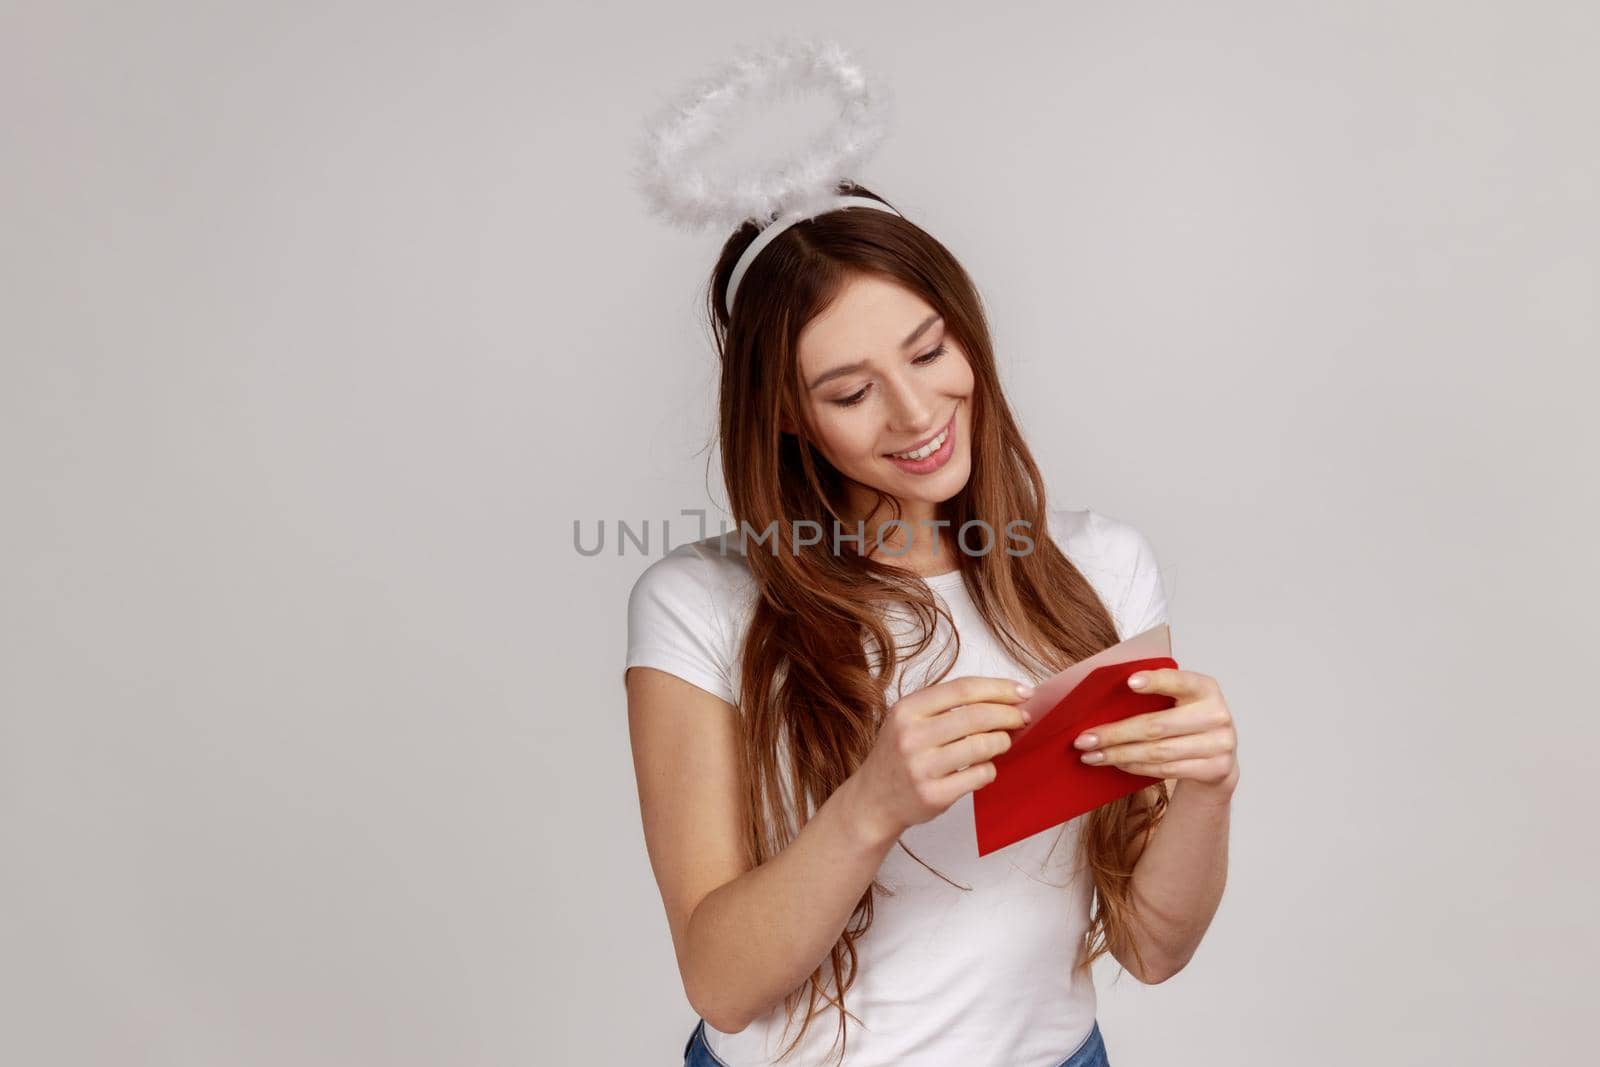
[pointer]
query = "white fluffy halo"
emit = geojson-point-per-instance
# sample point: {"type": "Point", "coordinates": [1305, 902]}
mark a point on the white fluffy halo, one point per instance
{"type": "Point", "coordinates": [667, 169]}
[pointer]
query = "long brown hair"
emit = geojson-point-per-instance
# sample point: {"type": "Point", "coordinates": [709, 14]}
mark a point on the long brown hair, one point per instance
{"type": "Point", "coordinates": [809, 687]}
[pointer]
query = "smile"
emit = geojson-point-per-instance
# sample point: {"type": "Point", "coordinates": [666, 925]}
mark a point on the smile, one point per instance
{"type": "Point", "coordinates": [931, 455]}
{"type": "Point", "coordinates": [928, 447]}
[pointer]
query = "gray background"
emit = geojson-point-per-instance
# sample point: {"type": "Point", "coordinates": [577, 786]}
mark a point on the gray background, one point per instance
{"type": "Point", "coordinates": [322, 323]}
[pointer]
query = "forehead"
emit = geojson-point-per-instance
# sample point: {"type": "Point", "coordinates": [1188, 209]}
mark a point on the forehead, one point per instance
{"type": "Point", "coordinates": [870, 319]}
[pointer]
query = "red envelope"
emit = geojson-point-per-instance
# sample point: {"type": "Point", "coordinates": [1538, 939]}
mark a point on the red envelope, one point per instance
{"type": "Point", "coordinates": [1041, 782]}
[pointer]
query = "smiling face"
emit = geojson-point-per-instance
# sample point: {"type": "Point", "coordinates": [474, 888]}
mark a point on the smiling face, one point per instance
{"type": "Point", "coordinates": [880, 377]}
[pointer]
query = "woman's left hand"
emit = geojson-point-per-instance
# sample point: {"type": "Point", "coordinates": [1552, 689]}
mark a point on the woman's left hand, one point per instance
{"type": "Point", "coordinates": [1191, 741]}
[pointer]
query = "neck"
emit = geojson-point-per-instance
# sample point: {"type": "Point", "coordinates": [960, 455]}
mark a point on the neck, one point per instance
{"type": "Point", "coordinates": [916, 546]}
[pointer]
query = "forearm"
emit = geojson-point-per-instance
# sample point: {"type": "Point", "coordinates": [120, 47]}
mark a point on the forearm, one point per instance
{"type": "Point", "coordinates": [759, 937]}
{"type": "Point", "coordinates": [1178, 881]}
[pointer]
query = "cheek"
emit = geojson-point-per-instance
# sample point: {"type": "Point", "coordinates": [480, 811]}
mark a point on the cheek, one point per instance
{"type": "Point", "coordinates": [842, 437]}
{"type": "Point", "coordinates": [963, 379]}
{"type": "Point", "coordinates": [955, 377]}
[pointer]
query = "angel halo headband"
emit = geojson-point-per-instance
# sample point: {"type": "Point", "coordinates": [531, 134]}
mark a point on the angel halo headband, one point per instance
{"type": "Point", "coordinates": [777, 226]}
{"type": "Point", "coordinates": [786, 192]}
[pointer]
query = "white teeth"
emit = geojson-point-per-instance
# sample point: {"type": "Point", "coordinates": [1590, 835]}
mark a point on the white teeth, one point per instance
{"type": "Point", "coordinates": [926, 450]}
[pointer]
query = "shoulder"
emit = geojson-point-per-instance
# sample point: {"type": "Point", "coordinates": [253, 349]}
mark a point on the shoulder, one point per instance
{"type": "Point", "coordinates": [1095, 539]}
{"type": "Point", "coordinates": [1118, 560]}
{"type": "Point", "coordinates": [709, 576]}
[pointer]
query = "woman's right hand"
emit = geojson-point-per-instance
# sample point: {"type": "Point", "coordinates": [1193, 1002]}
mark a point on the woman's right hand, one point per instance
{"type": "Point", "coordinates": [935, 746]}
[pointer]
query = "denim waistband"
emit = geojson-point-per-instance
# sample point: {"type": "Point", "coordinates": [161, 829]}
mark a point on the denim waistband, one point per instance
{"type": "Point", "coordinates": [1091, 1053]}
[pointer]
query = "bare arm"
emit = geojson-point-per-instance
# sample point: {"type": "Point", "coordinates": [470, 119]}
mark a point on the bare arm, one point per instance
{"type": "Point", "coordinates": [744, 936]}
{"type": "Point", "coordinates": [1178, 879]}
{"type": "Point", "coordinates": [1179, 875]}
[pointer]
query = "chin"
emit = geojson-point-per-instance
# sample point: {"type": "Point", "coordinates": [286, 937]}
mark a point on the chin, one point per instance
{"type": "Point", "coordinates": [936, 488]}
{"type": "Point", "coordinates": [953, 484]}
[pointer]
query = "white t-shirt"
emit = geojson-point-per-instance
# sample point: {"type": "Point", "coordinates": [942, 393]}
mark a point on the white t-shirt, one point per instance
{"type": "Point", "coordinates": [946, 975]}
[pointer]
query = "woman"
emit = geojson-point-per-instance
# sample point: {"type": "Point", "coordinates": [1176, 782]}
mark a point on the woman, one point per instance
{"type": "Point", "coordinates": [809, 716]}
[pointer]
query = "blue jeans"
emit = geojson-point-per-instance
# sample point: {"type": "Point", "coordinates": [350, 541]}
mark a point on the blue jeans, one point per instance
{"type": "Point", "coordinates": [1092, 1053]}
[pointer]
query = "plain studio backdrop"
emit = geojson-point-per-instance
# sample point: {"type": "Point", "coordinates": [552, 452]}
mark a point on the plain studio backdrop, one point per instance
{"type": "Point", "coordinates": [322, 324]}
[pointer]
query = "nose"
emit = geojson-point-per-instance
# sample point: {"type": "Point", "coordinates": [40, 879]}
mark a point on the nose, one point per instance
{"type": "Point", "coordinates": [911, 410]}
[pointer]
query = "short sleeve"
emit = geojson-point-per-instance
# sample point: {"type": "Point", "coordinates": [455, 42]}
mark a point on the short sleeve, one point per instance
{"type": "Point", "coordinates": [1144, 602]}
{"type": "Point", "coordinates": [676, 625]}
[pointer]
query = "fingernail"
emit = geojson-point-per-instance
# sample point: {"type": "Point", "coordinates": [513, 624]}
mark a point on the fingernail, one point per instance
{"type": "Point", "coordinates": [1137, 681]}
{"type": "Point", "coordinates": [1024, 691]}
{"type": "Point", "coordinates": [1087, 741]}
{"type": "Point", "coordinates": [1093, 757]}
{"type": "Point", "coordinates": [1026, 718]}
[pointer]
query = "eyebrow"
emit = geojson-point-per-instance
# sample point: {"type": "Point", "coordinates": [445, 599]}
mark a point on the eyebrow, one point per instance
{"type": "Point", "coordinates": [851, 368]}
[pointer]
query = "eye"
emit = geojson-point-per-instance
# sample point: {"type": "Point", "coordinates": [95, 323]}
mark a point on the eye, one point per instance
{"type": "Point", "coordinates": [922, 361]}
